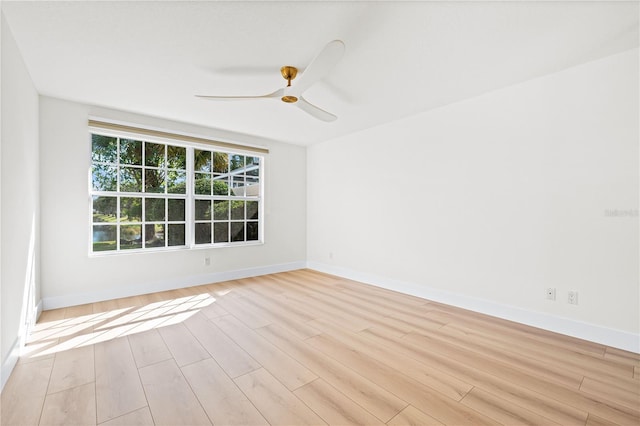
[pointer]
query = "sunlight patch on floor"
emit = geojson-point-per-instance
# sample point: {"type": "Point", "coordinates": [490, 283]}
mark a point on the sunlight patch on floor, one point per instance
{"type": "Point", "coordinates": [50, 337]}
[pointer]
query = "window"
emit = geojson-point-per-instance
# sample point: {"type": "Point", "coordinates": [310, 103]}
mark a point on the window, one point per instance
{"type": "Point", "coordinates": [151, 195]}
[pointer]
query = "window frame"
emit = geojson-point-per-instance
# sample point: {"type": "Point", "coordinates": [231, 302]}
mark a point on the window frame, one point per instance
{"type": "Point", "coordinates": [189, 196]}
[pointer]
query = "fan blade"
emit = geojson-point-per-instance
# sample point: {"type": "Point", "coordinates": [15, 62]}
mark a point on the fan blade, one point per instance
{"type": "Point", "coordinates": [277, 94]}
{"type": "Point", "coordinates": [314, 111]}
{"type": "Point", "coordinates": [319, 67]}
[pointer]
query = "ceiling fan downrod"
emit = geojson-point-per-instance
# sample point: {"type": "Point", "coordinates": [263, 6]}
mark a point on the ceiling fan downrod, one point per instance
{"type": "Point", "coordinates": [289, 73]}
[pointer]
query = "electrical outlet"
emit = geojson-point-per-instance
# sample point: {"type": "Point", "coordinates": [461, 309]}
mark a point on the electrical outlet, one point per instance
{"type": "Point", "coordinates": [207, 261]}
{"type": "Point", "coordinates": [551, 293]}
{"type": "Point", "coordinates": [573, 297]}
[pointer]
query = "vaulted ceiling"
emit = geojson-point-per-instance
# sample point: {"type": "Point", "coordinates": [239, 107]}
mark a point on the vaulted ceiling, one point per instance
{"type": "Point", "coordinates": [401, 58]}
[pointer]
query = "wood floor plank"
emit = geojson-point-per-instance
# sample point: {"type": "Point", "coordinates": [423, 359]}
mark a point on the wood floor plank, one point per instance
{"type": "Point", "coordinates": [626, 393]}
{"type": "Point", "coordinates": [276, 403]}
{"type": "Point", "coordinates": [74, 406]}
{"type": "Point", "coordinates": [444, 383]}
{"type": "Point", "coordinates": [51, 315]}
{"type": "Point", "coordinates": [383, 293]}
{"type": "Point", "coordinates": [333, 406]}
{"type": "Point", "coordinates": [171, 400]}
{"type": "Point", "coordinates": [78, 311]}
{"type": "Point", "coordinates": [390, 305]}
{"type": "Point", "coordinates": [234, 360]}
{"type": "Point", "coordinates": [223, 401]}
{"type": "Point", "coordinates": [184, 347]}
{"type": "Point", "coordinates": [599, 421]}
{"type": "Point", "coordinates": [214, 311]}
{"type": "Point", "coordinates": [118, 387]}
{"type": "Point", "coordinates": [140, 417]}
{"type": "Point", "coordinates": [575, 362]}
{"type": "Point", "coordinates": [411, 416]}
{"type": "Point", "coordinates": [329, 312]}
{"type": "Point", "coordinates": [568, 365]}
{"type": "Point", "coordinates": [128, 302]}
{"type": "Point", "coordinates": [241, 310]}
{"type": "Point", "coordinates": [24, 393]}
{"type": "Point", "coordinates": [508, 372]}
{"type": "Point", "coordinates": [511, 355]}
{"type": "Point", "coordinates": [38, 351]}
{"type": "Point", "coordinates": [338, 304]}
{"type": "Point", "coordinates": [342, 307]}
{"type": "Point", "coordinates": [625, 357]}
{"type": "Point", "coordinates": [283, 315]}
{"type": "Point", "coordinates": [105, 306]}
{"type": "Point", "coordinates": [518, 332]}
{"type": "Point", "coordinates": [442, 408]}
{"type": "Point", "coordinates": [508, 390]}
{"type": "Point", "coordinates": [373, 398]}
{"type": "Point", "coordinates": [72, 368]}
{"type": "Point", "coordinates": [282, 366]}
{"type": "Point", "coordinates": [500, 410]}
{"type": "Point", "coordinates": [148, 348]}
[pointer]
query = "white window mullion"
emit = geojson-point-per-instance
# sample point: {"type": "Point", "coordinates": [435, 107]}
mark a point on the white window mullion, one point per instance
{"type": "Point", "coordinates": [189, 214]}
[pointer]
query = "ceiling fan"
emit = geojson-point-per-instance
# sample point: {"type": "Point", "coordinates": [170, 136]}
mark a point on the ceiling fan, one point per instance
{"type": "Point", "coordinates": [292, 94]}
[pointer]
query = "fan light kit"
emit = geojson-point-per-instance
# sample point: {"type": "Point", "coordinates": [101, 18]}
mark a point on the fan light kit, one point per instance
{"type": "Point", "coordinates": [316, 71]}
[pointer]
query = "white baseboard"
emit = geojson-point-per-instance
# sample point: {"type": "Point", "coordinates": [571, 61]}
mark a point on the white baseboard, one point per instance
{"type": "Point", "coordinates": [9, 362]}
{"type": "Point", "coordinates": [171, 284]}
{"type": "Point", "coordinates": [38, 311]}
{"type": "Point", "coordinates": [591, 332]}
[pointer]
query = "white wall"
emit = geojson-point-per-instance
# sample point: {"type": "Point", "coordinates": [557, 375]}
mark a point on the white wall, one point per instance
{"type": "Point", "coordinates": [19, 217]}
{"type": "Point", "coordinates": [71, 276]}
{"type": "Point", "coordinates": [486, 202]}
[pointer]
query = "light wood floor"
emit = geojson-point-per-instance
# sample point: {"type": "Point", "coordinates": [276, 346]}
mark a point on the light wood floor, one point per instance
{"type": "Point", "coordinates": [307, 348]}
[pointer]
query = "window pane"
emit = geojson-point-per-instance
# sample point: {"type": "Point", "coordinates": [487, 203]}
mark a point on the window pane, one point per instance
{"type": "Point", "coordinates": [203, 233]}
{"type": "Point", "coordinates": [221, 232]}
{"type": "Point", "coordinates": [203, 210]}
{"type": "Point", "coordinates": [130, 209]}
{"type": "Point", "coordinates": [252, 231]}
{"type": "Point", "coordinates": [104, 237]}
{"type": "Point", "coordinates": [176, 157]}
{"type": "Point", "coordinates": [252, 210]}
{"type": "Point", "coordinates": [220, 162]}
{"type": "Point", "coordinates": [154, 181]}
{"type": "Point", "coordinates": [130, 237]}
{"type": "Point", "coordinates": [252, 187]}
{"type": "Point", "coordinates": [154, 209]}
{"type": "Point", "coordinates": [237, 231]}
{"type": "Point", "coordinates": [237, 210]}
{"type": "Point", "coordinates": [130, 179]}
{"type": "Point", "coordinates": [104, 209]}
{"type": "Point", "coordinates": [104, 148]}
{"type": "Point", "coordinates": [237, 162]}
{"type": "Point", "coordinates": [154, 235]}
{"type": "Point", "coordinates": [176, 182]}
{"type": "Point", "coordinates": [253, 166]}
{"type": "Point", "coordinates": [154, 154]}
{"type": "Point", "coordinates": [176, 209]}
{"type": "Point", "coordinates": [176, 235]}
{"type": "Point", "coordinates": [130, 152]}
{"type": "Point", "coordinates": [202, 161]}
{"type": "Point", "coordinates": [103, 177]}
{"type": "Point", "coordinates": [203, 184]}
{"type": "Point", "coordinates": [220, 185]}
{"type": "Point", "coordinates": [221, 210]}
{"type": "Point", "coordinates": [238, 186]}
